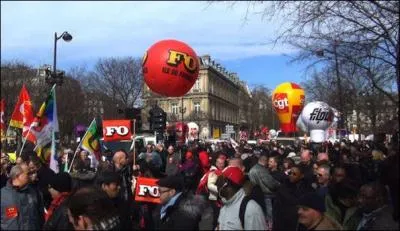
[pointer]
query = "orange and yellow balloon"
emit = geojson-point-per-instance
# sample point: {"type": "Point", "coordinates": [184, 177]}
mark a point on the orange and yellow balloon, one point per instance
{"type": "Point", "coordinates": [288, 101]}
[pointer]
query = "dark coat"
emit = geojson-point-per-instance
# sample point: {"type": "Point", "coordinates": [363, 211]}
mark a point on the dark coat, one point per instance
{"type": "Point", "coordinates": [163, 155]}
{"type": "Point", "coordinates": [59, 219]}
{"type": "Point", "coordinates": [185, 214]}
{"type": "Point", "coordinates": [279, 176]}
{"type": "Point", "coordinates": [381, 220]}
{"type": "Point", "coordinates": [45, 176]}
{"type": "Point", "coordinates": [390, 176]}
{"type": "Point", "coordinates": [285, 204]}
{"type": "Point", "coordinates": [309, 176]}
{"type": "Point", "coordinates": [124, 212]}
{"type": "Point", "coordinates": [21, 209]}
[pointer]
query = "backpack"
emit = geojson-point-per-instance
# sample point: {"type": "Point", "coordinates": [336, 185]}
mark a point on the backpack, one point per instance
{"type": "Point", "coordinates": [255, 194]}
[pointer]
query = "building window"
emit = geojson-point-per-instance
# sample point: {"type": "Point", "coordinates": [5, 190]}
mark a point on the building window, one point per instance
{"type": "Point", "coordinates": [196, 87]}
{"type": "Point", "coordinates": [196, 107]}
{"type": "Point", "coordinates": [175, 108]}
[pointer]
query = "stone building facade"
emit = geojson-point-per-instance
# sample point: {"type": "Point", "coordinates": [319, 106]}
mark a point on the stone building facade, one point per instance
{"type": "Point", "coordinates": [218, 98]}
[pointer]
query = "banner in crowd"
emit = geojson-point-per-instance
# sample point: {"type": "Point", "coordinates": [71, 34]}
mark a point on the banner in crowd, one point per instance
{"type": "Point", "coordinates": [22, 115]}
{"type": "Point", "coordinates": [90, 141]}
{"type": "Point", "coordinates": [147, 190]}
{"type": "Point", "coordinates": [114, 130]}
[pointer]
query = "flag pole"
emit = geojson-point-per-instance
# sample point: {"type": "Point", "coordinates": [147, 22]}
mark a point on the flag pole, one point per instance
{"type": "Point", "coordinates": [77, 148]}
{"type": "Point", "coordinates": [8, 129]}
{"type": "Point", "coordinates": [133, 142]}
{"type": "Point", "coordinates": [23, 144]}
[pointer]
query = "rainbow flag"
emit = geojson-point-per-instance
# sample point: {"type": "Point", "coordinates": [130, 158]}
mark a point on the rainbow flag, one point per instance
{"type": "Point", "coordinates": [45, 128]}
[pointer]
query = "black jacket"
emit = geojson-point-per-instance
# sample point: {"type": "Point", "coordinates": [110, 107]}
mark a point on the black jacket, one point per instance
{"type": "Point", "coordinates": [185, 214]}
{"type": "Point", "coordinates": [45, 176]}
{"type": "Point", "coordinates": [21, 209]}
{"type": "Point", "coordinates": [59, 219]}
{"type": "Point", "coordinates": [284, 207]}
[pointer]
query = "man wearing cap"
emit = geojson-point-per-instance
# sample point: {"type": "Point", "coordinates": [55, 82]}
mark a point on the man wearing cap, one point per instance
{"type": "Point", "coordinates": [177, 211]}
{"type": "Point", "coordinates": [311, 208]}
{"type": "Point", "coordinates": [57, 215]}
{"type": "Point", "coordinates": [230, 190]}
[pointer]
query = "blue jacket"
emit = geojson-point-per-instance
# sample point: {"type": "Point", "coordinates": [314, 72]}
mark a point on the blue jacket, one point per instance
{"type": "Point", "coordinates": [21, 209]}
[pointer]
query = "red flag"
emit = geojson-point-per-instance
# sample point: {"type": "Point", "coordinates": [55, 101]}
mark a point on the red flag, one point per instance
{"type": "Point", "coordinates": [3, 123]}
{"type": "Point", "coordinates": [22, 116]}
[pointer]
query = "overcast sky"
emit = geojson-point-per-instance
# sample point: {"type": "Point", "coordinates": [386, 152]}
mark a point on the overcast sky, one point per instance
{"type": "Point", "coordinates": [114, 29]}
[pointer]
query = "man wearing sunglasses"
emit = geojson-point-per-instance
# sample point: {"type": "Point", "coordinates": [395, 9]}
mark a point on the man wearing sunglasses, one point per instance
{"type": "Point", "coordinates": [323, 179]}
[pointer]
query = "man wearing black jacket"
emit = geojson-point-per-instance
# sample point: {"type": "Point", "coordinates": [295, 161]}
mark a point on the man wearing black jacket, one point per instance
{"type": "Point", "coordinates": [177, 211]}
{"type": "Point", "coordinates": [44, 177]}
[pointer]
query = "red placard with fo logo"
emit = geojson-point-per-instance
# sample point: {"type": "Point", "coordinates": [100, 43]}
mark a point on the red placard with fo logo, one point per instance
{"type": "Point", "coordinates": [147, 190]}
{"type": "Point", "coordinates": [114, 130]}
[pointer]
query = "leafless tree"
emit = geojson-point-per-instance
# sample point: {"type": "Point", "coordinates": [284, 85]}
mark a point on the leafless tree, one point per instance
{"type": "Point", "coordinates": [120, 79]}
{"type": "Point", "coordinates": [362, 31]}
{"type": "Point", "coordinates": [15, 73]}
{"type": "Point", "coordinates": [262, 111]}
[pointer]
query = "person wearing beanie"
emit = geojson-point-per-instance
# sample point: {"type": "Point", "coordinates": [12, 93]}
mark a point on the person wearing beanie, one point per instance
{"type": "Point", "coordinates": [231, 192]}
{"type": "Point", "coordinates": [109, 181]}
{"type": "Point", "coordinates": [57, 216]}
{"type": "Point", "coordinates": [311, 208]}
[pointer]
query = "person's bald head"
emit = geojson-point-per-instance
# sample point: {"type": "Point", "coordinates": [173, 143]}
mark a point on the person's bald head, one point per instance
{"type": "Point", "coordinates": [322, 156]}
{"type": "Point", "coordinates": [236, 162]}
{"type": "Point", "coordinates": [305, 156]}
{"type": "Point", "coordinates": [120, 159]}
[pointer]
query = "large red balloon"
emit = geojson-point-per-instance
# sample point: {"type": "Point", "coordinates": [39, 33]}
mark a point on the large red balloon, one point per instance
{"type": "Point", "coordinates": [170, 68]}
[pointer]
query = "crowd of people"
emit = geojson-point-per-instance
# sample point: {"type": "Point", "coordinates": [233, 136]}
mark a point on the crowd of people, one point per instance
{"type": "Point", "coordinates": [307, 186]}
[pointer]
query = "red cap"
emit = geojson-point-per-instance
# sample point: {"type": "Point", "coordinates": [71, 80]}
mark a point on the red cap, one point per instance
{"type": "Point", "coordinates": [234, 174]}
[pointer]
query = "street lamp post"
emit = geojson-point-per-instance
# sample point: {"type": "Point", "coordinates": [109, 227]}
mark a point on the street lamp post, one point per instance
{"type": "Point", "coordinates": [320, 53]}
{"type": "Point", "coordinates": [183, 110]}
{"type": "Point", "coordinates": [54, 75]}
{"type": "Point", "coordinates": [339, 85]}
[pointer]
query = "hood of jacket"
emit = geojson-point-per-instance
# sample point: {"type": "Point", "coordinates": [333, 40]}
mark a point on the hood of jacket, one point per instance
{"type": "Point", "coordinates": [192, 205]}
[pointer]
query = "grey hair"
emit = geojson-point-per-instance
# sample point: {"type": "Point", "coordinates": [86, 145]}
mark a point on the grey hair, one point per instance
{"type": "Point", "coordinates": [16, 171]}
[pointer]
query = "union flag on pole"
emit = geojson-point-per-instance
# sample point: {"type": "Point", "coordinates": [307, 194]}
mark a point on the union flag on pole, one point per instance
{"type": "Point", "coordinates": [90, 141]}
{"type": "Point", "coordinates": [22, 117]}
{"type": "Point", "coordinates": [3, 123]}
{"type": "Point", "coordinates": [45, 122]}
